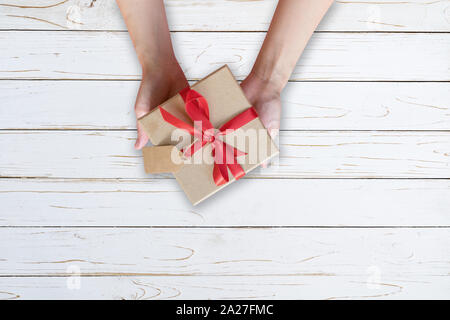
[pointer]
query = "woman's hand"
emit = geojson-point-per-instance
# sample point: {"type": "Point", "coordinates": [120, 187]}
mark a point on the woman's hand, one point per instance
{"type": "Point", "coordinates": [292, 25]}
{"type": "Point", "coordinates": [264, 95]}
{"type": "Point", "coordinates": [158, 85]}
{"type": "Point", "coordinates": [162, 76]}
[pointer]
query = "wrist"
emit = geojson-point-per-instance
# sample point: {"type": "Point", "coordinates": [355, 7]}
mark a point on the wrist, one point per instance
{"type": "Point", "coordinates": [154, 68]}
{"type": "Point", "coordinates": [268, 78]}
{"type": "Point", "coordinates": [155, 62]}
{"type": "Point", "coordinates": [270, 74]}
{"type": "Point", "coordinates": [167, 78]}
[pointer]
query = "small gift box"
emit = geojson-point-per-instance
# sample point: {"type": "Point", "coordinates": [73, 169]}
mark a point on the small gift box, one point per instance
{"type": "Point", "coordinates": [226, 137]}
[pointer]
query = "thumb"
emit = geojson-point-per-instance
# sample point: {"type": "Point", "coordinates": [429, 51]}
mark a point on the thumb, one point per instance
{"type": "Point", "coordinates": [142, 138]}
{"type": "Point", "coordinates": [274, 132]}
{"type": "Point", "coordinates": [273, 129]}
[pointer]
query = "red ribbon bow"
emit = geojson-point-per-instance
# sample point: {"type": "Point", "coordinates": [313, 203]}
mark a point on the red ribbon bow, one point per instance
{"type": "Point", "coordinates": [225, 156]}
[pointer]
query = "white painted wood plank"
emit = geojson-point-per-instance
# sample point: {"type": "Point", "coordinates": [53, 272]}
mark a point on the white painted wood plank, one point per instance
{"type": "Point", "coordinates": [396, 253]}
{"type": "Point", "coordinates": [306, 106]}
{"type": "Point", "coordinates": [329, 56]}
{"type": "Point", "coordinates": [222, 15]}
{"type": "Point", "coordinates": [321, 154]}
{"type": "Point", "coordinates": [160, 202]}
{"type": "Point", "coordinates": [229, 287]}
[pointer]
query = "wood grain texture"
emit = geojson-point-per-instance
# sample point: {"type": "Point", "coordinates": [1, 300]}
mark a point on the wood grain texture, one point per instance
{"type": "Point", "coordinates": [329, 56]}
{"type": "Point", "coordinates": [160, 202]}
{"type": "Point", "coordinates": [306, 105]}
{"type": "Point", "coordinates": [321, 154]}
{"type": "Point", "coordinates": [228, 287]}
{"type": "Point", "coordinates": [402, 253]}
{"type": "Point", "coordinates": [223, 15]}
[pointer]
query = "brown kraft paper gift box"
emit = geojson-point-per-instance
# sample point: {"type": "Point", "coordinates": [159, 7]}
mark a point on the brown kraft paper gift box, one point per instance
{"type": "Point", "coordinates": [226, 100]}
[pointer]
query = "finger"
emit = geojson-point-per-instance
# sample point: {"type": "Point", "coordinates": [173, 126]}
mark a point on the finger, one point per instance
{"type": "Point", "coordinates": [272, 123]}
{"type": "Point", "coordinates": [273, 131]}
{"type": "Point", "coordinates": [141, 110]}
{"type": "Point", "coordinates": [142, 138]}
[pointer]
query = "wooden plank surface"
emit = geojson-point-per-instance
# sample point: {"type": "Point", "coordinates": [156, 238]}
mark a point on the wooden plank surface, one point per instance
{"type": "Point", "coordinates": [329, 56]}
{"type": "Point", "coordinates": [306, 105]}
{"type": "Point", "coordinates": [160, 202]}
{"type": "Point", "coordinates": [372, 286]}
{"type": "Point", "coordinates": [321, 154]}
{"type": "Point", "coordinates": [222, 15]}
{"type": "Point", "coordinates": [402, 253]}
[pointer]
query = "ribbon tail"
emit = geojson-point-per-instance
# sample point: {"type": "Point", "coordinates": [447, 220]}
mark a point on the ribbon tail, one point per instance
{"type": "Point", "coordinates": [197, 145]}
{"type": "Point", "coordinates": [232, 153]}
{"type": "Point", "coordinates": [220, 172]}
{"type": "Point", "coordinates": [236, 169]}
{"type": "Point", "coordinates": [236, 152]}
{"type": "Point", "coordinates": [227, 155]}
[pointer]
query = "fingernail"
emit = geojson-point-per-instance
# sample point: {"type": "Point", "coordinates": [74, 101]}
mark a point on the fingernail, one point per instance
{"type": "Point", "coordinates": [274, 132]}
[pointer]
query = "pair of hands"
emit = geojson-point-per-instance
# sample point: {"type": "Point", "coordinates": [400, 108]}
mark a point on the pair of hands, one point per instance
{"type": "Point", "coordinates": [159, 85]}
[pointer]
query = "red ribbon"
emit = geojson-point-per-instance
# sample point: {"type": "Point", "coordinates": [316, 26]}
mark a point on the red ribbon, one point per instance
{"type": "Point", "coordinates": [225, 156]}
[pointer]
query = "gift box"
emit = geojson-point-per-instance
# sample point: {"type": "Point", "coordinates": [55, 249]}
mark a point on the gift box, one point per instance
{"type": "Point", "coordinates": [222, 137]}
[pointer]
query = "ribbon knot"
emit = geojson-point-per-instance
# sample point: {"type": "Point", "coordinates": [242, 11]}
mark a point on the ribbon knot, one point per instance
{"type": "Point", "coordinates": [225, 156]}
{"type": "Point", "coordinates": [210, 135]}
